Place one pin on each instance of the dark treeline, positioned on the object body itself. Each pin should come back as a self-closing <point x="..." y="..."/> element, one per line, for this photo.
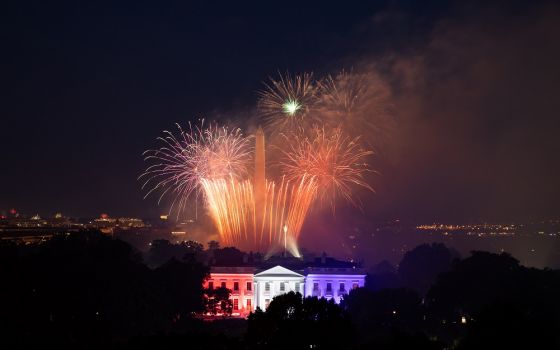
<point x="90" y="291"/>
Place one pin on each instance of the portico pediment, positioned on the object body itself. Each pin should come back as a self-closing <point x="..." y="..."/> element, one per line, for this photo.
<point x="278" y="271"/>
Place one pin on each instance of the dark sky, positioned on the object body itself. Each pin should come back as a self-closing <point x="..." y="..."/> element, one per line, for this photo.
<point x="86" y="87"/>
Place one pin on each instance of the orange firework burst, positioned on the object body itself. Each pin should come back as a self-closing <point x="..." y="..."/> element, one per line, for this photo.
<point x="286" y="103"/>
<point x="192" y="155"/>
<point x="335" y="162"/>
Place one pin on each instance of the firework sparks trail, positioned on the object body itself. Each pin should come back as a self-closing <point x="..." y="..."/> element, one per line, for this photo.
<point x="231" y="205"/>
<point x="215" y="162"/>
<point x="336" y="162"/>
<point x="286" y="103"/>
<point x="192" y="155"/>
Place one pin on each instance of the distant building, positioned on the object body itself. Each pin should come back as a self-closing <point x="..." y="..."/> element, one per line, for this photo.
<point x="108" y="225"/>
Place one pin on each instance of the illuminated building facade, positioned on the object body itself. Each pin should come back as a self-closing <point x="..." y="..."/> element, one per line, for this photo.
<point x="332" y="283"/>
<point x="240" y="281"/>
<point x="251" y="287"/>
<point x="276" y="281"/>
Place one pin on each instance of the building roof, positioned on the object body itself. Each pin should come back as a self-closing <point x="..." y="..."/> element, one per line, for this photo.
<point x="233" y="269"/>
<point x="278" y="271"/>
<point x="291" y="265"/>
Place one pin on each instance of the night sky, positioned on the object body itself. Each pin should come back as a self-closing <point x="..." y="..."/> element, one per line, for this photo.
<point x="86" y="87"/>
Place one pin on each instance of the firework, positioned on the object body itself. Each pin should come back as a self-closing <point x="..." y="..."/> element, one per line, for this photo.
<point x="317" y="160"/>
<point x="356" y="102"/>
<point x="231" y="204"/>
<point x="287" y="103"/>
<point x="335" y="162"/>
<point x="188" y="157"/>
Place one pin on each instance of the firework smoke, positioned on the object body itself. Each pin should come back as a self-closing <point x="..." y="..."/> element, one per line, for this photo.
<point x="358" y="103"/>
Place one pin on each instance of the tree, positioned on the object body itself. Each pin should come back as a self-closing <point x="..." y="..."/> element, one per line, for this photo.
<point x="161" y="251"/>
<point x="213" y="245"/>
<point x="180" y="286"/>
<point x="86" y="288"/>
<point x="228" y="256"/>
<point x="474" y="282"/>
<point x="218" y="301"/>
<point x="383" y="276"/>
<point x="511" y="326"/>
<point x="388" y="319"/>
<point x="420" y="267"/>
<point x="387" y="308"/>
<point x="300" y="323"/>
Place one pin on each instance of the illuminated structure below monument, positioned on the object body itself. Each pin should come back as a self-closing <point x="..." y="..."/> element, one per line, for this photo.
<point x="276" y="281"/>
<point x="253" y="287"/>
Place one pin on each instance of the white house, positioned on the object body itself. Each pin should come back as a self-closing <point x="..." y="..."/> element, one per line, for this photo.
<point x="275" y="281"/>
<point x="323" y="278"/>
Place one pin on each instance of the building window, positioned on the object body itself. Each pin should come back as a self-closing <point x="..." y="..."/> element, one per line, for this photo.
<point x="249" y="304"/>
<point x="297" y="287"/>
<point x="355" y="285"/>
<point x="236" y="304"/>
<point x="223" y="284"/>
<point x="249" y="285"/>
<point x="342" y="288"/>
<point x="329" y="287"/>
<point x="282" y="286"/>
<point x="266" y="303"/>
<point x="267" y="287"/>
<point x="236" y="286"/>
<point x="315" y="286"/>
<point x="210" y="285"/>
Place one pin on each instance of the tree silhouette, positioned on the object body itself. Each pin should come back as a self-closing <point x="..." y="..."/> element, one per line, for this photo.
<point x="87" y="288"/>
<point x="383" y="276"/>
<point x="420" y="267"/>
<point x="228" y="256"/>
<point x="218" y="301"/>
<point x="300" y="323"/>
<point x="511" y="326"/>
<point x="483" y="286"/>
<point x="161" y="251"/>
<point x="473" y="283"/>
<point x="375" y="313"/>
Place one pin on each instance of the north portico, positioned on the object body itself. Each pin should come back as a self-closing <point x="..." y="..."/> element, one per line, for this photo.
<point x="276" y="281"/>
